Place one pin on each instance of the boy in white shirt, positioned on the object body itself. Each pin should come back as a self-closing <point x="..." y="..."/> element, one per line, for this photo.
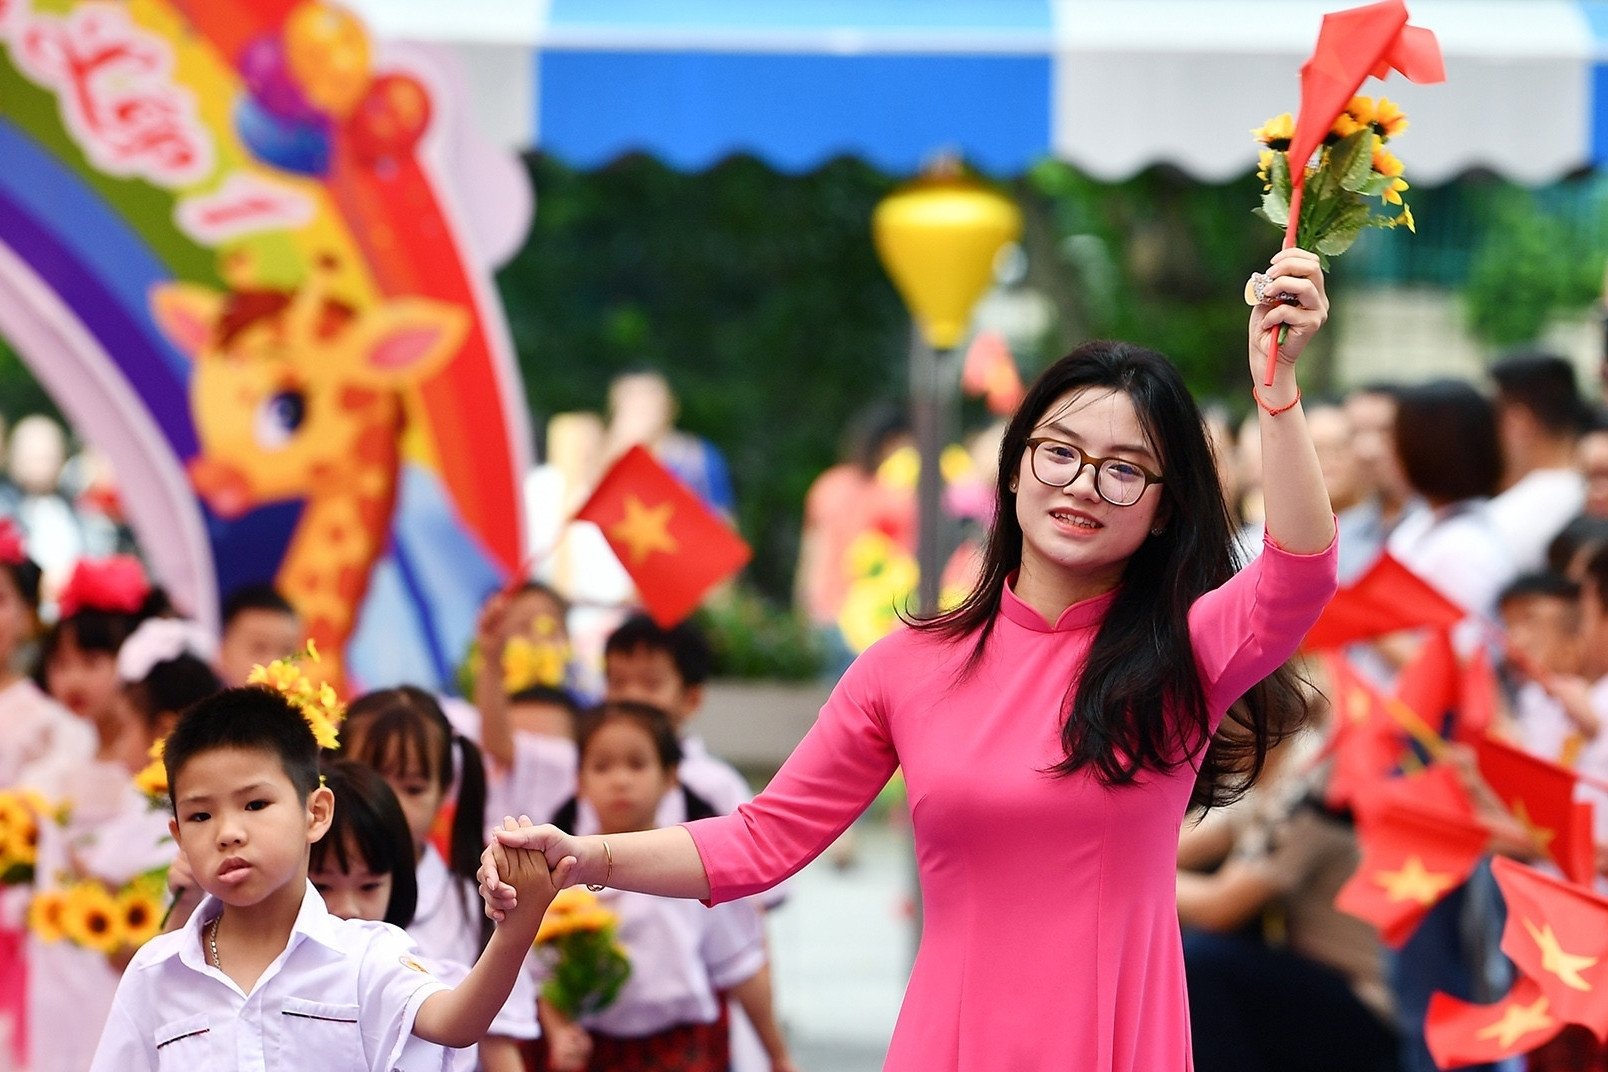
<point x="263" y="976"/>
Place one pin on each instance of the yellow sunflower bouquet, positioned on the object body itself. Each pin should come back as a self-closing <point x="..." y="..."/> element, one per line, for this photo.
<point x="577" y="940"/>
<point x="90" y="914"/>
<point x="20" y="811"/>
<point x="1351" y="183"/>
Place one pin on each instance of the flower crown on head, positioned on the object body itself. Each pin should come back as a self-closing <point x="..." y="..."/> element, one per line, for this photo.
<point x="13" y="549"/>
<point x="318" y="702"/>
<point x="116" y="585"/>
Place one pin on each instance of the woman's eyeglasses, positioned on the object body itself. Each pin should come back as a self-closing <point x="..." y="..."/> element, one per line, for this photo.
<point x="1118" y="482"/>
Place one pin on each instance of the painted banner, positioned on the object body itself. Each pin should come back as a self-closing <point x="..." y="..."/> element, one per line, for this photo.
<point x="231" y="250"/>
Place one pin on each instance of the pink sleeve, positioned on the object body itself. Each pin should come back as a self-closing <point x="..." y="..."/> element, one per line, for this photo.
<point x="835" y="771"/>
<point x="1243" y="630"/>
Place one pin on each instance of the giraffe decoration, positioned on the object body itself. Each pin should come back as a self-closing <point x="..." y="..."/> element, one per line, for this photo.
<point x="297" y="395"/>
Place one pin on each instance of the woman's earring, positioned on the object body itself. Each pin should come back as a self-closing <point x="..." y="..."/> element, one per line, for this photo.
<point x="1156" y="531"/>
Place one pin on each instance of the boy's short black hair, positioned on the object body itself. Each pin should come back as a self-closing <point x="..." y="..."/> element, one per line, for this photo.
<point x="651" y="719"/>
<point x="1581" y="534"/>
<point x="551" y="695"/>
<point x="685" y="643"/>
<point x="251" y="717"/>
<point x="1543" y="584"/>
<point x="254" y="597"/>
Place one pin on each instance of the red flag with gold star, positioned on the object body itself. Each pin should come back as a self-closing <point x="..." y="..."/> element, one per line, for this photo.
<point x="1557" y="934"/>
<point x="1419" y="842"/>
<point x="1459" y="1033"/>
<point x="1364" y="741"/>
<point x="670" y="543"/>
<point x="1539" y="794"/>
<point x="1387" y="598"/>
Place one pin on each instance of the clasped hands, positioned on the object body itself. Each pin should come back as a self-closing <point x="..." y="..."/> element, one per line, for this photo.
<point x="522" y="857"/>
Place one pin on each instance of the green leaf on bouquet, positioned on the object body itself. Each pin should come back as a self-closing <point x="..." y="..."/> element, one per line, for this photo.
<point x="1275" y="209"/>
<point x="1343" y="228"/>
<point x="1376" y="185"/>
<point x="1352" y="160"/>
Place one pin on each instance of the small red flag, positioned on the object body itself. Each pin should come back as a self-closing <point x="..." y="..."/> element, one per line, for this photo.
<point x="1459" y="1033"/>
<point x="1557" y="934"/>
<point x="1419" y="842"/>
<point x="670" y="543"/>
<point x="1429" y="685"/>
<point x="1479" y="701"/>
<point x="1539" y="794"/>
<point x="1353" y="44"/>
<point x="1365" y="742"/>
<point x="1582" y="865"/>
<point x="1387" y="598"/>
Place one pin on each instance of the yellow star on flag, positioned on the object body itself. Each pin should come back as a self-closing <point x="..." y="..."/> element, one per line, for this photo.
<point x="1415" y="882"/>
<point x="1541" y="835"/>
<point x="645" y="529"/>
<point x="1516" y="1022"/>
<point x="1566" y="966"/>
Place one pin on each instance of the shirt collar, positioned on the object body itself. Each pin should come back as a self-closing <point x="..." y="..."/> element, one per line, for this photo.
<point x="313" y="920"/>
<point x="1081" y="615"/>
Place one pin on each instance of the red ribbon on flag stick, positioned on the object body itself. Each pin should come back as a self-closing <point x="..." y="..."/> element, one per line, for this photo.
<point x="1352" y="44"/>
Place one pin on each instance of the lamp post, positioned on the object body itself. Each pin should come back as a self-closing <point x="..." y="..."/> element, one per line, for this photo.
<point x="938" y="238"/>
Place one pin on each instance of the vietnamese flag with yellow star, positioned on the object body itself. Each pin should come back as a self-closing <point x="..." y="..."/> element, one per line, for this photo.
<point x="672" y="545"/>
<point x="1387" y="598"/>
<point x="1459" y="1033"/>
<point x="1539" y="794"/>
<point x="1419" y="842"/>
<point x="1557" y="934"/>
<point x="1365" y="743"/>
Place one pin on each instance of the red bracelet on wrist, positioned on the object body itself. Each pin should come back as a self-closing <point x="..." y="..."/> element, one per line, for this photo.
<point x="1275" y="411"/>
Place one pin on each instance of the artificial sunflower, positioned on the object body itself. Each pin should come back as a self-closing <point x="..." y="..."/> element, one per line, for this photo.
<point x="1362" y="110"/>
<point x="45" y="915"/>
<point x="1389" y="120"/>
<point x="1276" y="132"/>
<point x="91" y="918"/>
<point x="1343" y="127"/>
<point x="139" y="915"/>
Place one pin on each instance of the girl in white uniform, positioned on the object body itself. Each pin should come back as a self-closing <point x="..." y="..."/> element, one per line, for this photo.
<point x="403" y="734"/>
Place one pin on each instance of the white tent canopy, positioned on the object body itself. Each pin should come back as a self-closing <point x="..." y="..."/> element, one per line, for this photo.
<point x="1112" y="86"/>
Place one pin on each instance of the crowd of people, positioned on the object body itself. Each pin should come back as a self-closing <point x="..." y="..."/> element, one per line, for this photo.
<point x="1496" y="495"/>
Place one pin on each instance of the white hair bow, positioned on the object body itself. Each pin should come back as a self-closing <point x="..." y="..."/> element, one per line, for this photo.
<point x="160" y="640"/>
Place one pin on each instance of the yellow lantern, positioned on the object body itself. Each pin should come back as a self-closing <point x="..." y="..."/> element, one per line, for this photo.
<point x="938" y="237"/>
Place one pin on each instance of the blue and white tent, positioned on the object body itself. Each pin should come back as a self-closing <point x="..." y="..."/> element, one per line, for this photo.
<point x="1112" y="86"/>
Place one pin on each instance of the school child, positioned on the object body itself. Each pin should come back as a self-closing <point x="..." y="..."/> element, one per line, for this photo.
<point x="667" y="668"/>
<point x="110" y="834"/>
<point x="363" y="866"/>
<point x="258" y="625"/>
<point x="263" y="976"/>
<point x="100" y="605"/>
<point x="684" y="958"/>
<point x="403" y="734"/>
<point x="41" y="743"/>
<point x="1541" y="616"/>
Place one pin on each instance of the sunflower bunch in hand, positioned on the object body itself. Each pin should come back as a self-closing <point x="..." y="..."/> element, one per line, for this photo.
<point x="1352" y="182"/>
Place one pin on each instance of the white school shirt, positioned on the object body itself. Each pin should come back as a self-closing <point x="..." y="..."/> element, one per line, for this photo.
<point x="447" y="928"/>
<point x="114" y="834"/>
<point x="681" y="954"/>
<point x="1534" y="510"/>
<point x="342" y="996"/>
<point x="540" y="780"/>
<point x="1458" y="550"/>
<point x="42" y="744"/>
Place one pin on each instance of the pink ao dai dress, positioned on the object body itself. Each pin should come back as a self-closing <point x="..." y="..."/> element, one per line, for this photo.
<point x="1050" y="938"/>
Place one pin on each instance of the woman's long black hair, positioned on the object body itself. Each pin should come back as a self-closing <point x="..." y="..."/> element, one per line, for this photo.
<point x="1137" y="703"/>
